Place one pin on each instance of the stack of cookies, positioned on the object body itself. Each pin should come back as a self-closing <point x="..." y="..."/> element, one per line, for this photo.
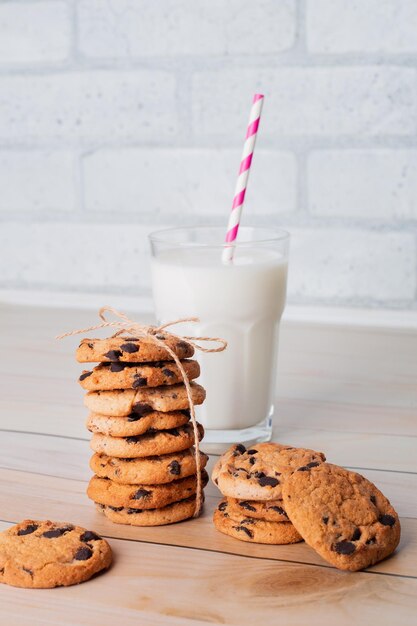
<point x="281" y="494"/>
<point x="145" y="461"/>
<point x="251" y="480"/>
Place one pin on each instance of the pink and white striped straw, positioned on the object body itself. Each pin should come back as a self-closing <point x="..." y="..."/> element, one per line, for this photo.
<point x="242" y="181"/>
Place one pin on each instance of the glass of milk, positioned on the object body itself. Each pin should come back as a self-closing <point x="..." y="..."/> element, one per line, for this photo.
<point x="241" y="302"/>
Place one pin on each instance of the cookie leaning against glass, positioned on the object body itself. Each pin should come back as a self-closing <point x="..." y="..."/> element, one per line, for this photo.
<point x="145" y="460"/>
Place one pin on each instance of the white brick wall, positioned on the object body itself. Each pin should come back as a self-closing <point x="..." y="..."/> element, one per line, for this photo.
<point x="343" y="26"/>
<point x="185" y="182"/>
<point x="34" y="32"/>
<point x="121" y="116"/>
<point x="139" y="28"/>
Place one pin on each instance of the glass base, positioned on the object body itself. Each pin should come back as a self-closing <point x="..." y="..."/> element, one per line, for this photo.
<point x="218" y="441"/>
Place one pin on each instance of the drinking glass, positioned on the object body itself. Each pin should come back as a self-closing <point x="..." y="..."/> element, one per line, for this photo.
<point x="242" y="302"/>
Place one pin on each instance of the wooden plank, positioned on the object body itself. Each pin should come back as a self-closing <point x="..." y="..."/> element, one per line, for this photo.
<point x="69" y="458"/>
<point x="27" y="495"/>
<point x="158" y="585"/>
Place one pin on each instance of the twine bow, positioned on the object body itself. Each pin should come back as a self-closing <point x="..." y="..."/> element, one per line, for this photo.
<point x="125" y="325"/>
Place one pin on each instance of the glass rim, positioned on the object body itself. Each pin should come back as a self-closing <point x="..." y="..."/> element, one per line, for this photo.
<point x="276" y="234"/>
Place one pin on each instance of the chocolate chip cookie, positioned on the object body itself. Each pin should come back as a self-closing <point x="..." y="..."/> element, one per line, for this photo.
<point x="342" y="515"/>
<point x="253" y="530"/>
<point x="270" y="511"/>
<point x="131" y="349"/>
<point x="149" y="444"/>
<point x="123" y="402"/>
<point x="136" y="424"/>
<point x="122" y="375"/>
<point x="259" y="472"/>
<point x="149" y="470"/>
<point x="105" y="491"/>
<point x="50" y="554"/>
<point x="170" y="514"/>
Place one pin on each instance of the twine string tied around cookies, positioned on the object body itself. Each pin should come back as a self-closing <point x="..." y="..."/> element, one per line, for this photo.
<point x="124" y="324"/>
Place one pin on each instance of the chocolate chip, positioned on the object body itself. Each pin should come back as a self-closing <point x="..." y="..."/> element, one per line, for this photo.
<point x="387" y="520"/>
<point x="90" y="345"/>
<point x="222" y="506"/>
<point x="325" y="520"/>
<point x="371" y="541"/>
<point x="174" y="468"/>
<point x="252" y="460"/>
<point x="117" y="367"/>
<point x="139" y="381"/>
<point x="89" y="536"/>
<point x="373" y="499"/>
<point x="252" y="451"/>
<point x="134" y="417"/>
<point x="356" y="534"/>
<point x="133" y="511"/>
<point x="279" y="510"/>
<point x="248" y="520"/>
<point x="28" y="530"/>
<point x="270" y="481"/>
<point x="304" y="468"/>
<point x="259" y="474"/>
<point x="113" y="355"/>
<point x="115" y="508"/>
<point x="216" y="480"/>
<point x="248" y="532"/>
<point x="131" y="338"/>
<point x="245" y="505"/>
<point x="129" y="347"/>
<point x="141" y="408"/>
<point x="56" y="532"/>
<point x="85" y="375"/>
<point x="28" y="571"/>
<point x="141" y="493"/>
<point x="240" y="448"/>
<point x="344" y="547"/>
<point x="168" y="373"/>
<point x="132" y="439"/>
<point x="83" y="554"/>
<point x="313" y="464"/>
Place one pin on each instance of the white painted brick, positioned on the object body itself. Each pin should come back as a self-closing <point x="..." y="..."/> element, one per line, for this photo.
<point x="352" y="265"/>
<point x="75" y="255"/>
<point x="136" y="28"/>
<point x="188" y="182"/>
<point x="380" y="184"/>
<point x="34" y="32"/>
<point x="363" y="26"/>
<point x="84" y="106"/>
<point x="37" y="181"/>
<point x="319" y="101"/>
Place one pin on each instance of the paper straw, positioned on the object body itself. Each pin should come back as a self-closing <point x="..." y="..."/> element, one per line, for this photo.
<point x="242" y="181"/>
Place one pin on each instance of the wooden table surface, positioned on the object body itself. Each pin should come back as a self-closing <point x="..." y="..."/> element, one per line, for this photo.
<point x="350" y="392"/>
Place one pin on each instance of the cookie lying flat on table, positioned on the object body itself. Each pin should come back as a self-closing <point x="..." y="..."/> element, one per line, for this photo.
<point x="175" y="512"/>
<point x="253" y="530"/>
<point x="109" y="376"/>
<point x="149" y="470"/>
<point x="105" y="491"/>
<point x="258" y="473"/>
<point x="131" y="349"/>
<point x="135" y="424"/>
<point x="123" y="402"/>
<point x="149" y="444"/>
<point x="50" y="554"/>
<point x="271" y="511"/>
<point x="342" y="515"/>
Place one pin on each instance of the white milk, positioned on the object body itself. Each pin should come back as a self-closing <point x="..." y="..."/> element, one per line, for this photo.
<point x="241" y="303"/>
